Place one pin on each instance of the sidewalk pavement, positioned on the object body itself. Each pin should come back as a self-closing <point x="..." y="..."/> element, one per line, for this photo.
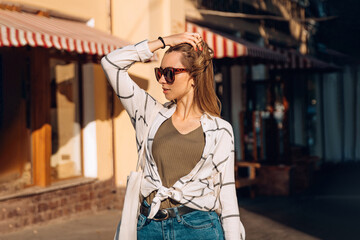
<point x="102" y="225"/>
<point x="329" y="210"/>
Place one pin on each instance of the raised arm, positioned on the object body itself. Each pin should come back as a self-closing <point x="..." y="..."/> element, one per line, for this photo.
<point x="136" y="101"/>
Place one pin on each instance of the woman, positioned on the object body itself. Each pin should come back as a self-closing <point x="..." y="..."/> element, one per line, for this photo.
<point x="188" y="185"/>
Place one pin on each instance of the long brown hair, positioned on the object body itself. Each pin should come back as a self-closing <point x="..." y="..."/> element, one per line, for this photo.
<point x="200" y="66"/>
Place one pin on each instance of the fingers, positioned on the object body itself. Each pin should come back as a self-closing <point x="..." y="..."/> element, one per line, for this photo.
<point x="191" y="39"/>
<point x="195" y="40"/>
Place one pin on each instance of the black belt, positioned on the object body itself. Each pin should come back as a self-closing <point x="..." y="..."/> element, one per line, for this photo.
<point x="164" y="214"/>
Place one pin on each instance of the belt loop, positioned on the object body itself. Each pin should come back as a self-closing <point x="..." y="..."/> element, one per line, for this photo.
<point x="177" y="214"/>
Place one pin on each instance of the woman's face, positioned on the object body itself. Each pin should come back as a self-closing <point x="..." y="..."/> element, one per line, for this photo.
<point x="182" y="86"/>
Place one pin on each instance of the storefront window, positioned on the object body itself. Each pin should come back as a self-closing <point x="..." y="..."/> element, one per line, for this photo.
<point x="65" y="120"/>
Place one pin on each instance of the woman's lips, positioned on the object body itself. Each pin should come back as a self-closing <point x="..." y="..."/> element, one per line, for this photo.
<point x="165" y="90"/>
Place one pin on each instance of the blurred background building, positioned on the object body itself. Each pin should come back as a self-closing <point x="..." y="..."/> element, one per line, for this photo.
<point x="286" y="72"/>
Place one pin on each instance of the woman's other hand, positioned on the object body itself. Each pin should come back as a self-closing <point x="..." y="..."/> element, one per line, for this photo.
<point x="193" y="39"/>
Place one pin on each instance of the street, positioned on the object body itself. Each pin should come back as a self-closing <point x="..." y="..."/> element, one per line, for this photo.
<point x="101" y="226"/>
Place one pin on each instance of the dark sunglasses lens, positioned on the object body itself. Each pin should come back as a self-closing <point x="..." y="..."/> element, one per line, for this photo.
<point x="169" y="75"/>
<point x="158" y="73"/>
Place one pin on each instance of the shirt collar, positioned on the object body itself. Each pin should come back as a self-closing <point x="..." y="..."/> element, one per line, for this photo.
<point x="207" y="115"/>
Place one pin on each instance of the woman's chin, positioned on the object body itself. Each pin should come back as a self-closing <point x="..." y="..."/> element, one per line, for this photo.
<point x="169" y="98"/>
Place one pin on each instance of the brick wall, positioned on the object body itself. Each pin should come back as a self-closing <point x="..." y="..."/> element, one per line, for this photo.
<point x="19" y="212"/>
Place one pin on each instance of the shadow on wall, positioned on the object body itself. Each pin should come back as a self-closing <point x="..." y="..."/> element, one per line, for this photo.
<point x="112" y="108"/>
<point x="118" y="107"/>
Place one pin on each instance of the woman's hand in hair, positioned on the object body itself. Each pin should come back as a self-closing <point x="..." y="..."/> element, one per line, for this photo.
<point x="187" y="37"/>
<point x="193" y="39"/>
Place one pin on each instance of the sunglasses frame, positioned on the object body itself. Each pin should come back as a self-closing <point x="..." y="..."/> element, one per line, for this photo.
<point x="164" y="72"/>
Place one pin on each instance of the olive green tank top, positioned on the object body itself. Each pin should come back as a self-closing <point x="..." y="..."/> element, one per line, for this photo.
<point x="175" y="155"/>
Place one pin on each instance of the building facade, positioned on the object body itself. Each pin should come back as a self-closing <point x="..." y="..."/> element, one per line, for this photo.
<point x="67" y="145"/>
<point x="282" y="113"/>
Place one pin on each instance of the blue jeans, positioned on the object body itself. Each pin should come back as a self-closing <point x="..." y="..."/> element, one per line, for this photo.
<point x="199" y="225"/>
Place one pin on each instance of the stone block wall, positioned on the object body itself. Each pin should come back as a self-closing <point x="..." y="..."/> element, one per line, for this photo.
<point x="37" y="208"/>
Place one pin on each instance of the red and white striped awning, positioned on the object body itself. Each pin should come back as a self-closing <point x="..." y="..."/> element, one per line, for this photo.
<point x="296" y="60"/>
<point x="19" y="29"/>
<point x="233" y="48"/>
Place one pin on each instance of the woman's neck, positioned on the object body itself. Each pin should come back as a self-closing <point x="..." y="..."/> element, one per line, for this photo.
<point x="187" y="109"/>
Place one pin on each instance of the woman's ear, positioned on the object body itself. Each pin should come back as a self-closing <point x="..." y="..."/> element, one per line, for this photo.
<point x="192" y="82"/>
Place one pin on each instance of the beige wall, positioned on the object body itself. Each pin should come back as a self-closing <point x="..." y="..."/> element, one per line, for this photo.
<point x="139" y="19"/>
<point x="96" y="9"/>
<point x="103" y="125"/>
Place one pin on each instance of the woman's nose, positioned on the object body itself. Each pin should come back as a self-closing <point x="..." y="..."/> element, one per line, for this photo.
<point x="162" y="80"/>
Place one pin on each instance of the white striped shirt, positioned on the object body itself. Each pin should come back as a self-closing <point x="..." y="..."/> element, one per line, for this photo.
<point x="210" y="186"/>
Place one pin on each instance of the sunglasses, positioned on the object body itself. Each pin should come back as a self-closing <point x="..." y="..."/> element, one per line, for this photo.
<point x="169" y="73"/>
